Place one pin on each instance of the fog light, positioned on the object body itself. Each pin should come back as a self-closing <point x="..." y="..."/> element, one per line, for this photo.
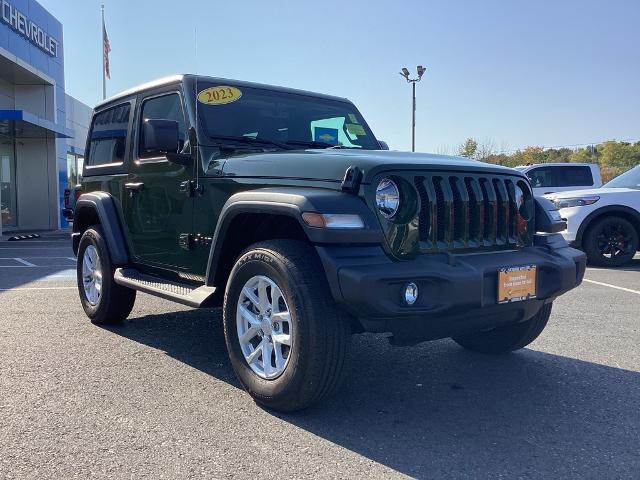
<point x="410" y="293"/>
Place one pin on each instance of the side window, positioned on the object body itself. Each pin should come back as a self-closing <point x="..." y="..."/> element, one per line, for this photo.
<point x="577" y="176"/>
<point x="543" y="177"/>
<point x="166" y="107"/>
<point x="108" y="137"/>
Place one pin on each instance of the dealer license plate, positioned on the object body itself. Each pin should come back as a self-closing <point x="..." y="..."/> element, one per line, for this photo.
<point x="516" y="283"/>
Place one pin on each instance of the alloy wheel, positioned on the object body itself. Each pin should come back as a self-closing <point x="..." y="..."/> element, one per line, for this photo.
<point x="92" y="275"/>
<point x="264" y="327"/>
<point x="613" y="240"/>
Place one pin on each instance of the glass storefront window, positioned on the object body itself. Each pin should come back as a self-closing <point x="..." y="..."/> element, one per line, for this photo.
<point x="74" y="170"/>
<point x="7" y="184"/>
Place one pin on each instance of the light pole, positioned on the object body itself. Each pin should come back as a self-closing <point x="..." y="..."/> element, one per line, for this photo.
<point x="405" y="73"/>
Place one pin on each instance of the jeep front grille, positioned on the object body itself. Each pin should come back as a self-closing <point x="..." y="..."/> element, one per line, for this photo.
<point x="468" y="211"/>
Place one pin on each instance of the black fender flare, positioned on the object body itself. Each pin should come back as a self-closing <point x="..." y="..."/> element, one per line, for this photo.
<point x="607" y="209"/>
<point x="292" y="202"/>
<point x="102" y="205"/>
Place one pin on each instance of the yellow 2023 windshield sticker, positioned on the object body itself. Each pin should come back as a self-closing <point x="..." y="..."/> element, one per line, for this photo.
<point x="220" y="95"/>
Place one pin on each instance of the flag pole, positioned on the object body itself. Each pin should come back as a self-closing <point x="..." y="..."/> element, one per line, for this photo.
<point x="104" y="78"/>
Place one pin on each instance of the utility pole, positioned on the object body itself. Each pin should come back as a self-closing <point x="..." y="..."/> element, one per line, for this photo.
<point x="405" y="73"/>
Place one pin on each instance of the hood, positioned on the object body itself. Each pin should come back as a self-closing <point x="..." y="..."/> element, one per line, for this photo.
<point x="331" y="164"/>
<point x="590" y="191"/>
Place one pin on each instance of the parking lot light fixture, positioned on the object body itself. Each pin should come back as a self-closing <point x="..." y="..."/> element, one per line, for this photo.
<point x="405" y="73"/>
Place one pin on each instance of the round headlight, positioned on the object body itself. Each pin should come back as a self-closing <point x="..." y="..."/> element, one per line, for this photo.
<point x="387" y="197"/>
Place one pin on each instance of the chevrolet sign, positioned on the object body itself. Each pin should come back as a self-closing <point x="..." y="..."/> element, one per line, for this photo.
<point x="25" y="27"/>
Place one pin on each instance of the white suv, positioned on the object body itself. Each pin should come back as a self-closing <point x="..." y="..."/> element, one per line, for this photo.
<point x="604" y="222"/>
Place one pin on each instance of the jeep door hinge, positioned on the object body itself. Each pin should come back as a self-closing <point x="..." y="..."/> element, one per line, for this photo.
<point x="186" y="187"/>
<point x="352" y="179"/>
<point x="190" y="188"/>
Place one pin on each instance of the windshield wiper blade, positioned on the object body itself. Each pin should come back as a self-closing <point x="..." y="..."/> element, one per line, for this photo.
<point x="312" y="144"/>
<point x="252" y="140"/>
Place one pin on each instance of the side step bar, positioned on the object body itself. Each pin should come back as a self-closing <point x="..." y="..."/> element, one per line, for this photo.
<point x="178" y="292"/>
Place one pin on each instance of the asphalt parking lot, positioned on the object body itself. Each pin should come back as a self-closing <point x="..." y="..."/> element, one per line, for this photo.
<point x="156" y="397"/>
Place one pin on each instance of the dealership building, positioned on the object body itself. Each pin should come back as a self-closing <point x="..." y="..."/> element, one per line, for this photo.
<point x="42" y="129"/>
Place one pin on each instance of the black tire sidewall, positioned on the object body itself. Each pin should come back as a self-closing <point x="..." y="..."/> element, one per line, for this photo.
<point x="591" y="245"/>
<point x="264" y="262"/>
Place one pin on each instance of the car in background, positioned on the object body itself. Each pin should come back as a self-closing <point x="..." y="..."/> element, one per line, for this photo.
<point x="71" y="195"/>
<point x="604" y="222"/>
<point x="5" y="214"/>
<point x="549" y="178"/>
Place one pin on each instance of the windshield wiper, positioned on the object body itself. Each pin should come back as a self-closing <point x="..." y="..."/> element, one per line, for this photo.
<point x="252" y="140"/>
<point x="312" y="144"/>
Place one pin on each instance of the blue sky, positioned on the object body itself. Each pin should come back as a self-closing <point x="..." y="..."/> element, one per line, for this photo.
<point x="512" y="72"/>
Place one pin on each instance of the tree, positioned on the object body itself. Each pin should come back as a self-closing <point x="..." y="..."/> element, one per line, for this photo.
<point x="484" y="150"/>
<point x="619" y="154"/>
<point x="468" y="148"/>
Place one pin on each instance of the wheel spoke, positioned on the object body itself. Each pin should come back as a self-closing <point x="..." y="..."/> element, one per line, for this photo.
<point x="249" y="334"/>
<point x="253" y="356"/>
<point x="248" y="292"/>
<point x="262" y="296"/>
<point x="281" y="317"/>
<point x="267" y="348"/>
<point x="280" y="360"/>
<point x="248" y="315"/>
<point x="281" y="338"/>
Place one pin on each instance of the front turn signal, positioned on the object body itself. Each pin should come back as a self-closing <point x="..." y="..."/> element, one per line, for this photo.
<point x="333" y="220"/>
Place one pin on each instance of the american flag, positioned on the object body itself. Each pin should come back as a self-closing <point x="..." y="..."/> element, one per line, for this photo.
<point x="106" y="48"/>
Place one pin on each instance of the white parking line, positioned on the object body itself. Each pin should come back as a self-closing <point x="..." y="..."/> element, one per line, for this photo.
<point x="35" y="288"/>
<point x="14" y="258"/>
<point x="20" y="260"/>
<point x="637" y="292"/>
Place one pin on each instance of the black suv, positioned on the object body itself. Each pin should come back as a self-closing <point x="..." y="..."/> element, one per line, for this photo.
<point x="282" y="207"/>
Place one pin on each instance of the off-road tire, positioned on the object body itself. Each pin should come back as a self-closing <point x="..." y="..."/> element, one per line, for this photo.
<point x="115" y="301"/>
<point x="321" y="334"/>
<point x="590" y="242"/>
<point x="509" y="337"/>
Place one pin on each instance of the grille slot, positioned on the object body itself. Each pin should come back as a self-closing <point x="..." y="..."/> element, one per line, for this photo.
<point x="466" y="211"/>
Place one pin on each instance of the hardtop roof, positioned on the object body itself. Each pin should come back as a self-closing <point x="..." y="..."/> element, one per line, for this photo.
<point x="190" y="78"/>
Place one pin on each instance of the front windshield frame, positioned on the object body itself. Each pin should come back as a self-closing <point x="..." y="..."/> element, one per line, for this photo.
<point x="215" y="138"/>
<point x="628" y="179"/>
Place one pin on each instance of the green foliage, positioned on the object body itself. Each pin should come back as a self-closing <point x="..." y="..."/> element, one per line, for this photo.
<point x="468" y="148"/>
<point x="613" y="157"/>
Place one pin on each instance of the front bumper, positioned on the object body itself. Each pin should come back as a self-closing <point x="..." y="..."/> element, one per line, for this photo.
<point x="574" y="217"/>
<point x="457" y="293"/>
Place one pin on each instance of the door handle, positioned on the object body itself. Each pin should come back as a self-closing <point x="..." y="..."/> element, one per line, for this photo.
<point x="134" y="187"/>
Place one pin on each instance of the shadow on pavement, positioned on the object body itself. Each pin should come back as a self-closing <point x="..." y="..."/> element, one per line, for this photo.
<point x="436" y="410"/>
<point x="632" y="266"/>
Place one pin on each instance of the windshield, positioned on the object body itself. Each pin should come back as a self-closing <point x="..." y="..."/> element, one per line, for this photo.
<point x="629" y="179"/>
<point x="246" y="117"/>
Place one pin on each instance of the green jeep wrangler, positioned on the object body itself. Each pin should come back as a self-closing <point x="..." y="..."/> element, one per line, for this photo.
<point x="282" y="207"/>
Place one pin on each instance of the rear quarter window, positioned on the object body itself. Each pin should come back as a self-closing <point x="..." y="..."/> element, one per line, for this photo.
<point x="108" y="136"/>
<point x="577" y="176"/>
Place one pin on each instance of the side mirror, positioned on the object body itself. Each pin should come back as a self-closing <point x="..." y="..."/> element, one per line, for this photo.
<point x="159" y="136"/>
<point x="383" y="145"/>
